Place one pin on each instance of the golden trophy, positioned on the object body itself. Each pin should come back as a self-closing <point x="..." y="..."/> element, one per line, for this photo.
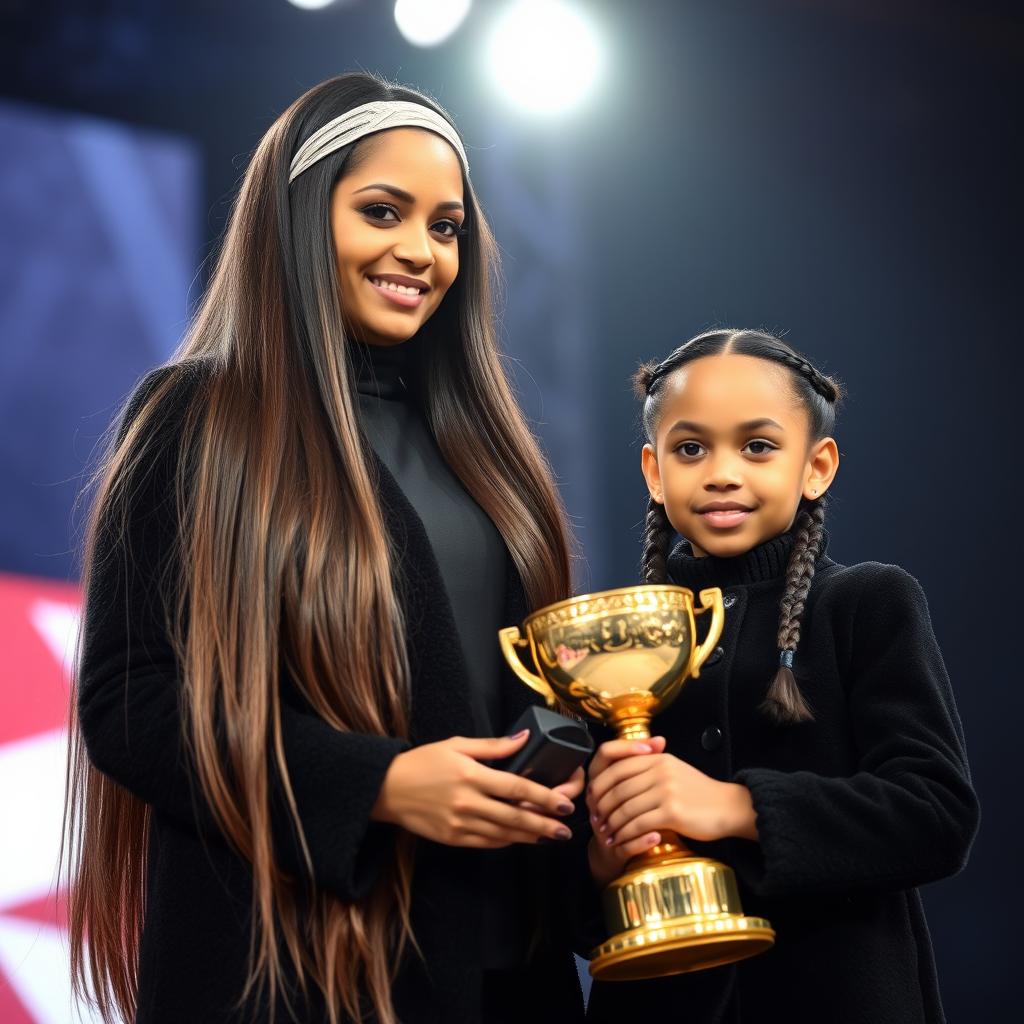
<point x="621" y="656"/>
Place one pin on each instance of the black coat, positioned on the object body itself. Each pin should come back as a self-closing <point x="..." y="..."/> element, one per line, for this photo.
<point x="196" y="933"/>
<point x="854" y="810"/>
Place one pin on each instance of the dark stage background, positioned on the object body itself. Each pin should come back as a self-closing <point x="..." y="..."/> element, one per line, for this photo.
<point x="845" y="172"/>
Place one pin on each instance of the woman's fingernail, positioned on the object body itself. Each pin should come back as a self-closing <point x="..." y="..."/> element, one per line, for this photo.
<point x="609" y="841"/>
<point x="594" y="819"/>
<point x="644" y="748"/>
<point x="566" y="808"/>
<point x="518" y="735"/>
<point x="603" y="827"/>
<point x="563" y="833"/>
<point x="652" y="839"/>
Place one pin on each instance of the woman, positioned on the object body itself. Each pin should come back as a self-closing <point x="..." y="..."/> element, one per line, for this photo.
<point x="310" y="527"/>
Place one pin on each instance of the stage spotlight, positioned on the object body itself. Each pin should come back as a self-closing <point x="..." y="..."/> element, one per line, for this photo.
<point x="310" y="5"/>
<point x="545" y="55"/>
<point x="429" y="22"/>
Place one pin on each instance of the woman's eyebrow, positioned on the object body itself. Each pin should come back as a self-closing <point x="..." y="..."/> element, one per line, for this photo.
<point x="406" y="197"/>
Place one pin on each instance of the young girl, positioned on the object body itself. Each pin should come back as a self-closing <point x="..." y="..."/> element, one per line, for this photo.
<point x="309" y="530"/>
<point x="819" y="753"/>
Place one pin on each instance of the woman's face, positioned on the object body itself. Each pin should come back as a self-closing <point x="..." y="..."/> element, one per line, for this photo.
<point x="732" y="458"/>
<point x="395" y="219"/>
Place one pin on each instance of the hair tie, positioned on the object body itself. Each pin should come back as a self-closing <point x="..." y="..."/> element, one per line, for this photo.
<point x="786" y="658"/>
<point x="656" y="374"/>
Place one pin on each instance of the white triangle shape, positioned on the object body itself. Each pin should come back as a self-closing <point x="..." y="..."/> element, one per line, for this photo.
<point x="34" y="960"/>
<point x="57" y="623"/>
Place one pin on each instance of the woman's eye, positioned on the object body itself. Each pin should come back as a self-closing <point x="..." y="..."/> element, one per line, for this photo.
<point x="380" y="211"/>
<point x="760" y="447"/>
<point x="447" y="229"/>
<point x="691" y="449"/>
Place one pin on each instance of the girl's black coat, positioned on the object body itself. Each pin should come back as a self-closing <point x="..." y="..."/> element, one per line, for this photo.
<point x="854" y="810"/>
<point x="196" y="934"/>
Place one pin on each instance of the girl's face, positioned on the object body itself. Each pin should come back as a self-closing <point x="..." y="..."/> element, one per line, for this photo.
<point x="732" y="455"/>
<point x="395" y="219"/>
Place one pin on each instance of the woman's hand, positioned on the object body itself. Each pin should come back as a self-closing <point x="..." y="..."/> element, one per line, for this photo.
<point x="441" y="791"/>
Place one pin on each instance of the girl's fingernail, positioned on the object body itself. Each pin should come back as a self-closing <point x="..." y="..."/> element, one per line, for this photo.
<point x="518" y="735"/>
<point x="603" y="827"/>
<point x="563" y="833"/>
<point x="594" y="819"/>
<point x="652" y="839"/>
<point x="565" y="808"/>
<point x="609" y="841"/>
<point x="644" y="748"/>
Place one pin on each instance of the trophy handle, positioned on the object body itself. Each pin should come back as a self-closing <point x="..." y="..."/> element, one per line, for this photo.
<point x="510" y="639"/>
<point x="711" y="600"/>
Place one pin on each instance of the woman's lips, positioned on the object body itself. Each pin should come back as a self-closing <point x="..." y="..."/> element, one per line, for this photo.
<point x="407" y="299"/>
<point x="723" y="519"/>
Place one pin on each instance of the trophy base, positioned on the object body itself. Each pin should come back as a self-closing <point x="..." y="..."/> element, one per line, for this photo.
<point x="680" y="948"/>
<point x="672" y="914"/>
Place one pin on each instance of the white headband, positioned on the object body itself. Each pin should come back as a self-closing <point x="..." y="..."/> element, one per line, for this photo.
<point x="369" y="118"/>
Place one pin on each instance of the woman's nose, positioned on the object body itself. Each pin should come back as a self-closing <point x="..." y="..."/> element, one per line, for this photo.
<point x="413" y="246"/>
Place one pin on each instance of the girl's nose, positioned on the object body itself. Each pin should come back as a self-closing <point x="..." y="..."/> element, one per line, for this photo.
<point x="723" y="472"/>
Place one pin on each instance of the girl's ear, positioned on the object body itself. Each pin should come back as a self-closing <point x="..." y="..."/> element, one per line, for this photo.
<point x="652" y="474"/>
<point x="822" y="466"/>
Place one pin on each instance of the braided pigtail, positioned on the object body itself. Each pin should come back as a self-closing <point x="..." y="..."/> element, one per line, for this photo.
<point x="657" y="534"/>
<point x="784" y="703"/>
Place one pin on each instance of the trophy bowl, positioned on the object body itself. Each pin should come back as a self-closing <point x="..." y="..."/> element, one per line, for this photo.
<point x="620" y="656"/>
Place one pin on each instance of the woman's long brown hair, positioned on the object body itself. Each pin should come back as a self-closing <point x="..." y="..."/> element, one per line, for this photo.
<point x="285" y="560"/>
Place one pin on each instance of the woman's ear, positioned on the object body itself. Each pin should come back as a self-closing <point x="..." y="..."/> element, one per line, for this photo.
<point x="652" y="474"/>
<point x="822" y="466"/>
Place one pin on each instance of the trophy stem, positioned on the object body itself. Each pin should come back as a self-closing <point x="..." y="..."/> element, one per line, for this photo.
<point x="636" y="727"/>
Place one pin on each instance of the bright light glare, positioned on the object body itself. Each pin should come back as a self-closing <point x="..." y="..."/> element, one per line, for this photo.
<point x="310" y="5"/>
<point x="429" y="22"/>
<point x="545" y="55"/>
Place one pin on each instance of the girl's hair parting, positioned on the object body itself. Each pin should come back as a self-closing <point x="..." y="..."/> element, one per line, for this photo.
<point x="820" y="396"/>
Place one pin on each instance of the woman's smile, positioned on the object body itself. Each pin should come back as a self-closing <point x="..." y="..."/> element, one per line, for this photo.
<point x="399" y="289"/>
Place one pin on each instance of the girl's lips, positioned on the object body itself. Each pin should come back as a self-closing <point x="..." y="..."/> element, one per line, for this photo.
<point x="724" y="518"/>
<point x="398" y="298"/>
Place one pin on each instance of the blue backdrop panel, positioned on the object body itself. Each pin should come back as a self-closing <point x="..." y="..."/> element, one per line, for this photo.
<point x="97" y="251"/>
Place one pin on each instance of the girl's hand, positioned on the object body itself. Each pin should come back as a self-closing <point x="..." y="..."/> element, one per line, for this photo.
<point x="636" y="795"/>
<point x="607" y="862"/>
<point x="441" y="791"/>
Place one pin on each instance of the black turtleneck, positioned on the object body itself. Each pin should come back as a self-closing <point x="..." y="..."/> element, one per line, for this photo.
<point x="469" y="550"/>
<point x="766" y="561"/>
<point x="471" y="555"/>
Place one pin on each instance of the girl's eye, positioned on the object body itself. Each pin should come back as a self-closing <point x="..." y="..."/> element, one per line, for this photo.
<point x="760" y="447"/>
<point x="380" y="211"/>
<point x="691" y="449"/>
